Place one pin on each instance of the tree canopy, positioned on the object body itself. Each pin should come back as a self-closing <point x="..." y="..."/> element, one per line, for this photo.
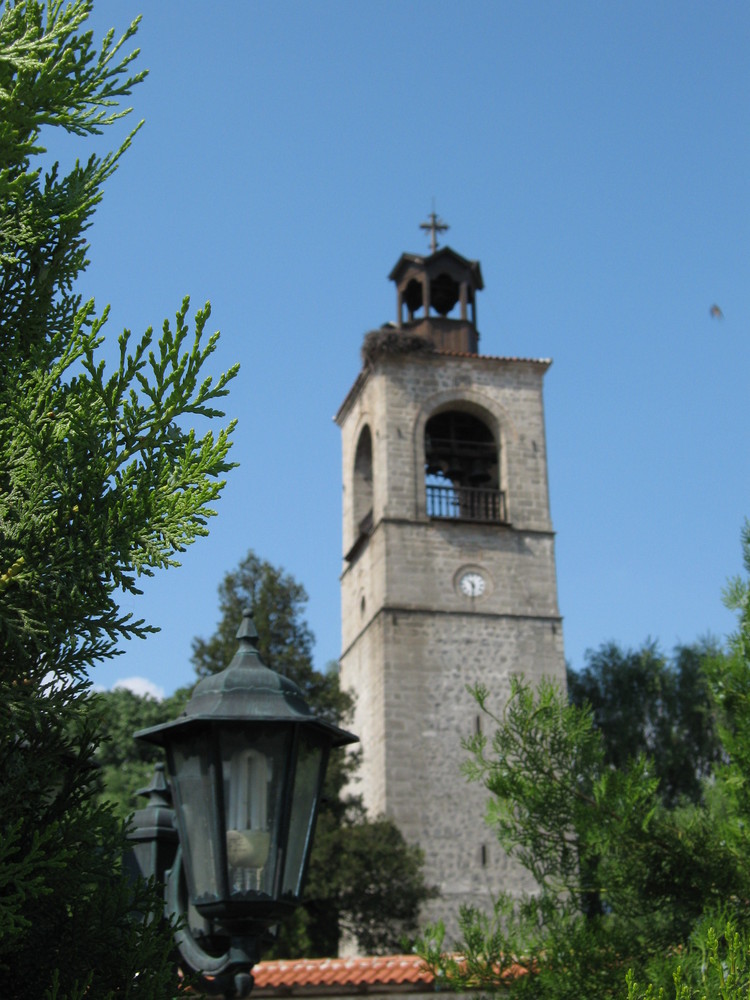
<point x="101" y="483"/>
<point x="644" y="702"/>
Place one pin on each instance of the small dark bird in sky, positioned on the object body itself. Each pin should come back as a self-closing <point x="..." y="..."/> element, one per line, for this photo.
<point x="715" y="312"/>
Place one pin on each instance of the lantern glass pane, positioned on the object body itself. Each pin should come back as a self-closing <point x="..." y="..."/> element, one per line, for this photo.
<point x="193" y="773"/>
<point x="254" y="768"/>
<point x="306" y="783"/>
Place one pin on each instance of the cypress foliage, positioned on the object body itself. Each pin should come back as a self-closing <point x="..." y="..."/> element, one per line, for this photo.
<point x="99" y="485"/>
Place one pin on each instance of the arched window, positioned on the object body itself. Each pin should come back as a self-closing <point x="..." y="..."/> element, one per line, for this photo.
<point x="462" y="468"/>
<point x="362" y="483"/>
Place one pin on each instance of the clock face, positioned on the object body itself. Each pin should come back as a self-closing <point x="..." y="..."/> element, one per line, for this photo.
<point x="472" y="584"/>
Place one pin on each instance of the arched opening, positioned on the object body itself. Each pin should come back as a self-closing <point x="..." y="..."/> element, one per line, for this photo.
<point x="362" y="483"/>
<point x="444" y="293"/>
<point x="462" y="468"/>
<point x="413" y="297"/>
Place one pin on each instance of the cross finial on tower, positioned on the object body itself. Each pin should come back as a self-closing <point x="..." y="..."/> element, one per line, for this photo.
<point x="435" y="226"/>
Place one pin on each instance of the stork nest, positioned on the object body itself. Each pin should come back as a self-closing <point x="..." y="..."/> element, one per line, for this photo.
<point x="390" y="341"/>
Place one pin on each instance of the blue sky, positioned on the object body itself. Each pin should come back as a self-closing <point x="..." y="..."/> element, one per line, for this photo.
<point x="593" y="156"/>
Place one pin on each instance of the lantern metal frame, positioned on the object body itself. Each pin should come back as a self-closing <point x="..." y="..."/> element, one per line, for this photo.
<point x="219" y="935"/>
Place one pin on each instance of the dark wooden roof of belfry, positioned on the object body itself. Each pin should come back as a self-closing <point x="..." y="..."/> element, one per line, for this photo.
<point x="443" y="256"/>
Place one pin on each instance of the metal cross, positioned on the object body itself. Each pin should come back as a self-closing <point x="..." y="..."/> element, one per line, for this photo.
<point x="435" y="226"/>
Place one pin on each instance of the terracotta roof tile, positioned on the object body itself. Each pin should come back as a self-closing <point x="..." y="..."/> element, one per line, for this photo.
<point x="381" y="970"/>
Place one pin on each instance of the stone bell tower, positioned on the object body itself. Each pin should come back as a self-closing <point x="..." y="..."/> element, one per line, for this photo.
<point x="449" y="568"/>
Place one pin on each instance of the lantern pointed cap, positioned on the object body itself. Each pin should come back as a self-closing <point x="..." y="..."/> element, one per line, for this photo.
<point x="246" y="692"/>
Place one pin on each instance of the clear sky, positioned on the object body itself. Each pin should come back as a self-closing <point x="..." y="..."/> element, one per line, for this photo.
<point x="593" y="156"/>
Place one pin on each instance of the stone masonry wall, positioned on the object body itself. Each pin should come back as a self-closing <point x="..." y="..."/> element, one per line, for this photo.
<point x="428" y="712"/>
<point x="411" y="641"/>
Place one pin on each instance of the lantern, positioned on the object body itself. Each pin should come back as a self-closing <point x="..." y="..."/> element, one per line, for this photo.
<point x="246" y="763"/>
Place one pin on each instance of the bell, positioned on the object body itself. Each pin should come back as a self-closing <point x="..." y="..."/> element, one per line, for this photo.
<point x="478" y="473"/>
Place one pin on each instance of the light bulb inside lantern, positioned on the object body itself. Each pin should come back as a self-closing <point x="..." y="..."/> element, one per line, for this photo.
<point x="248" y="848"/>
<point x="248" y="835"/>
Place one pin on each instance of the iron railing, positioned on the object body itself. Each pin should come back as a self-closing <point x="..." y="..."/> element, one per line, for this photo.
<point x="466" y="503"/>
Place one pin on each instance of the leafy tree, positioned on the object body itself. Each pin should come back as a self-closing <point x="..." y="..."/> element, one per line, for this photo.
<point x="99" y="485"/>
<point x="646" y="703"/>
<point x="628" y="878"/>
<point x="127" y="765"/>
<point x="365" y="881"/>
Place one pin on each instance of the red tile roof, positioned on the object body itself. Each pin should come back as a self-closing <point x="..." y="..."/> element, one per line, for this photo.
<point x="341" y="973"/>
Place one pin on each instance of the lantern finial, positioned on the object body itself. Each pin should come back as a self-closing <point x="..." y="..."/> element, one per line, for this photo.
<point x="247" y="633"/>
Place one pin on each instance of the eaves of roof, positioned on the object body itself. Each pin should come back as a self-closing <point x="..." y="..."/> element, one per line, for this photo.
<point x="543" y="362"/>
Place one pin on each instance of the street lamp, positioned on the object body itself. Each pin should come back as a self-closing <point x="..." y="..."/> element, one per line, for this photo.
<point x="246" y="763"/>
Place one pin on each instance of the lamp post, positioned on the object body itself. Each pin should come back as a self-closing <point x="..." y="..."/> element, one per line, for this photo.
<point x="246" y="762"/>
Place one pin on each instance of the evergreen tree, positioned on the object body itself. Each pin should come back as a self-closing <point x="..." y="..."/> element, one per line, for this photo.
<point x="285" y="642"/>
<point x="99" y="484"/>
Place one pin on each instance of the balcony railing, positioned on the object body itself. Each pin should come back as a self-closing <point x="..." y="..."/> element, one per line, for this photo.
<point x="466" y="503"/>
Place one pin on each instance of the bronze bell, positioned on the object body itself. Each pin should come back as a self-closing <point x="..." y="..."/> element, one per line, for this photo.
<point x="479" y="473"/>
